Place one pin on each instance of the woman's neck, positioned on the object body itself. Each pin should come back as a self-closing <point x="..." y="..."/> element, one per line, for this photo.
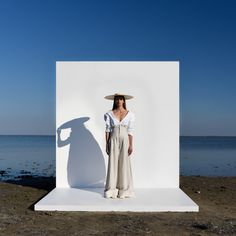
<point x="121" y="108"/>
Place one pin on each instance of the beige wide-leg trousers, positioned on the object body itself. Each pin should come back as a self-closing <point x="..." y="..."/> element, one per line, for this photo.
<point x="119" y="180"/>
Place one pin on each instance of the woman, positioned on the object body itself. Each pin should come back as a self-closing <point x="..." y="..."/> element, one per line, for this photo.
<point x="119" y="146"/>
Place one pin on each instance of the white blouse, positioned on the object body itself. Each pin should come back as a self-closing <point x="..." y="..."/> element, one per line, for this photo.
<point x="111" y="121"/>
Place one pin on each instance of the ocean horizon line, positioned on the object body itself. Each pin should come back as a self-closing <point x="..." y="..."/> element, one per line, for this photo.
<point x="179" y="136"/>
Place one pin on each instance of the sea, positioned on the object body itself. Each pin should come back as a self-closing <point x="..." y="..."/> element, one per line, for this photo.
<point x="34" y="155"/>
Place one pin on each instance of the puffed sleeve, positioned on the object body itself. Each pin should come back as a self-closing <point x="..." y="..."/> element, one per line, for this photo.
<point x="131" y="124"/>
<point x="107" y="122"/>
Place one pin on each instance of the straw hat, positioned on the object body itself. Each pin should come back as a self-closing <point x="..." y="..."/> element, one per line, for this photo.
<point x="111" y="97"/>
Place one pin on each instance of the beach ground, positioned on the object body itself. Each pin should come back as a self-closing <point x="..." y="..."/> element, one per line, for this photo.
<point x="216" y="197"/>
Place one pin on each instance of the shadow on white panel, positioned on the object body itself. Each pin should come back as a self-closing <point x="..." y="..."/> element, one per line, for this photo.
<point x="85" y="158"/>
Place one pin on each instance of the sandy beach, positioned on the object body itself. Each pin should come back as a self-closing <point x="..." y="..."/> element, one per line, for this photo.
<point x="216" y="197"/>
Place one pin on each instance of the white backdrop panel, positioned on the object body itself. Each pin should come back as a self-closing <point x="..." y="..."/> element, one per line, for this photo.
<point x="81" y="160"/>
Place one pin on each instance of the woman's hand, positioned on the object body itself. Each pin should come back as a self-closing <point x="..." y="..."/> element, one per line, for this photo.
<point x="130" y="150"/>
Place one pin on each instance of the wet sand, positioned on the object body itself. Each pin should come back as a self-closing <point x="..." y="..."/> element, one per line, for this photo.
<point x="216" y="197"/>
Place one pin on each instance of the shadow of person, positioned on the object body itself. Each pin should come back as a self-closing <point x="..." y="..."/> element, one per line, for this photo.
<point x="86" y="166"/>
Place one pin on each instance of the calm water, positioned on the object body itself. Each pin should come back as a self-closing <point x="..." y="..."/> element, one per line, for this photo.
<point x="208" y="156"/>
<point x="22" y="155"/>
<point x="27" y="154"/>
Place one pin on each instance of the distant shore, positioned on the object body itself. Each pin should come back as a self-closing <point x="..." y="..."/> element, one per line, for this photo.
<point x="215" y="196"/>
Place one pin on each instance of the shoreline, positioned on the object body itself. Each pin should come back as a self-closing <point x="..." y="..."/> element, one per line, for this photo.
<point x="49" y="182"/>
<point x="215" y="196"/>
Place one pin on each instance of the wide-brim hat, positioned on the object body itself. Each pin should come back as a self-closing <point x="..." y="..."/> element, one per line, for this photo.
<point x="111" y="97"/>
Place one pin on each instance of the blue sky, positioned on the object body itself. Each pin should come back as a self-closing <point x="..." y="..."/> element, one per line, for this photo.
<point x="36" y="34"/>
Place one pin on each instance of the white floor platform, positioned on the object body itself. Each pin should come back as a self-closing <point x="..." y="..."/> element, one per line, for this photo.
<point x="91" y="199"/>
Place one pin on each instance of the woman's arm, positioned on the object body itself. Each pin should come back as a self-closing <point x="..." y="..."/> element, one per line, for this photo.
<point x="107" y="136"/>
<point x="130" y="133"/>
<point x="130" y="140"/>
<point x="130" y="149"/>
<point x="107" y="131"/>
